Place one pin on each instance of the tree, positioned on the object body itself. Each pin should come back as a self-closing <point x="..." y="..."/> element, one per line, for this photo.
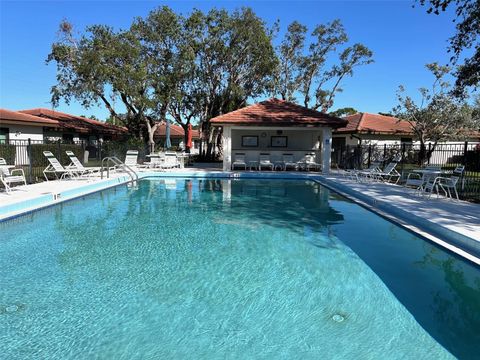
<point x="167" y="66"/>
<point x="129" y="67"/>
<point x="290" y="54"/>
<point x="344" y="112"/>
<point x="466" y="37"/>
<point x="303" y="70"/>
<point x="439" y="116"/>
<point x="233" y="60"/>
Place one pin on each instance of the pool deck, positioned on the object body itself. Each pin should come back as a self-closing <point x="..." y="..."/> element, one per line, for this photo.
<point x="432" y="218"/>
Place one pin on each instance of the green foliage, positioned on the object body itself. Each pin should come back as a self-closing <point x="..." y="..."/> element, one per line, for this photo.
<point x="191" y="67"/>
<point x="302" y="69"/>
<point x="344" y="112"/>
<point x="38" y="159"/>
<point x="439" y="116"/>
<point x="466" y="37"/>
<point x="8" y="153"/>
<point x="119" y="149"/>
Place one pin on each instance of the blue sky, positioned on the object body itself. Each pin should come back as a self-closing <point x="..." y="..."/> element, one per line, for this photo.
<point x="402" y="38"/>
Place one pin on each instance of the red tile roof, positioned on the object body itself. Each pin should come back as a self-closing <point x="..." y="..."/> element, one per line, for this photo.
<point x="275" y="112"/>
<point x="175" y="131"/>
<point x="366" y="123"/>
<point x="75" y="123"/>
<point x="17" y="117"/>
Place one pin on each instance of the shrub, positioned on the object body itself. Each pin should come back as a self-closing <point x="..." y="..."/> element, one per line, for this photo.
<point x="8" y="153"/>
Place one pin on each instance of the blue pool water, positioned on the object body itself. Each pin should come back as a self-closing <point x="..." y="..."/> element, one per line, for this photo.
<point x="215" y="269"/>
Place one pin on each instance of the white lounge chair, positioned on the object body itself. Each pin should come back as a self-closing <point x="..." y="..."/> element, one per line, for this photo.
<point x="156" y="161"/>
<point x="9" y="177"/>
<point x="367" y="173"/>
<point x="131" y="158"/>
<point x="265" y="161"/>
<point x="310" y="163"/>
<point x="171" y="160"/>
<point x="239" y="161"/>
<point x="387" y="174"/>
<point x="56" y="168"/>
<point x="288" y="162"/>
<point x="76" y="165"/>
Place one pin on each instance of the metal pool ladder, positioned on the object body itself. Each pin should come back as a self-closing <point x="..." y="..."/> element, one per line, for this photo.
<point x="117" y="163"/>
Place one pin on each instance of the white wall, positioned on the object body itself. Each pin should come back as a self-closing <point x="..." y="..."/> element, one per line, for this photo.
<point x="24" y="132"/>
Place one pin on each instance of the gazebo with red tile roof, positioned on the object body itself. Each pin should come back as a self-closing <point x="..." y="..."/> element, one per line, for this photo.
<point x="277" y="127"/>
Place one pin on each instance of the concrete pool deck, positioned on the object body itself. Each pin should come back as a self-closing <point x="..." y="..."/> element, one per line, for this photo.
<point x="457" y="221"/>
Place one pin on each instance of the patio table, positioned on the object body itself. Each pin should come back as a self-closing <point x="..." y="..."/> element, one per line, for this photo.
<point x="427" y="175"/>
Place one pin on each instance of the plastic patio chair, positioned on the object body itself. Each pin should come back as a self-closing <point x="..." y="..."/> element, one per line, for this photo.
<point x="310" y="163"/>
<point x="387" y="173"/>
<point x="449" y="183"/>
<point x="131" y="158"/>
<point x="76" y="165"/>
<point x="9" y="177"/>
<point x="239" y="161"/>
<point x="56" y="168"/>
<point x="265" y="161"/>
<point x="288" y="162"/>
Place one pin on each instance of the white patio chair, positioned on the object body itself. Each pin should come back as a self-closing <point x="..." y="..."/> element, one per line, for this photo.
<point x="415" y="181"/>
<point x="265" y="161"/>
<point x="56" y="168"/>
<point x="9" y="177"/>
<point x="239" y="161"/>
<point x="310" y="163"/>
<point x="288" y="162"/>
<point x="75" y="164"/>
<point x="449" y="183"/>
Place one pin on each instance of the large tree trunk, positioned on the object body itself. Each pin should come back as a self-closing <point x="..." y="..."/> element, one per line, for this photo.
<point x="185" y="137"/>
<point x="151" y="132"/>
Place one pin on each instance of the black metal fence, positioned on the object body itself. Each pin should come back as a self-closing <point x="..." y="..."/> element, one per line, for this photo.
<point x="448" y="156"/>
<point x="28" y="154"/>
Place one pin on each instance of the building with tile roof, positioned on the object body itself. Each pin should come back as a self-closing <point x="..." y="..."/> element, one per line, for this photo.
<point x="276" y="129"/>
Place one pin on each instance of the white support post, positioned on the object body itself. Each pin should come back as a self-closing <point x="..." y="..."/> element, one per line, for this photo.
<point x="326" y="149"/>
<point x="227" y="148"/>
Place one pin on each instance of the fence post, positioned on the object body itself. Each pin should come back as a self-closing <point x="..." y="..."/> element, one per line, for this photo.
<point x="59" y="151"/>
<point x="428" y="152"/>
<point x="465" y="149"/>
<point x="384" y="153"/>
<point x="402" y="160"/>
<point x="83" y="152"/>
<point x="369" y="154"/>
<point x="29" y="154"/>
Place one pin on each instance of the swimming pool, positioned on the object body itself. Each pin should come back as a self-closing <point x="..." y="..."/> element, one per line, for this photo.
<point x="229" y="268"/>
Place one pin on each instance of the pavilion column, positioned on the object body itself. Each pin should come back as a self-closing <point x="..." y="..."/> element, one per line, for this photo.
<point x="227" y="148"/>
<point x="326" y="149"/>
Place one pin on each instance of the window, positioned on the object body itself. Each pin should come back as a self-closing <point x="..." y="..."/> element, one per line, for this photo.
<point x="67" y="138"/>
<point x="4" y="135"/>
<point x="279" y="141"/>
<point x="250" y="141"/>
